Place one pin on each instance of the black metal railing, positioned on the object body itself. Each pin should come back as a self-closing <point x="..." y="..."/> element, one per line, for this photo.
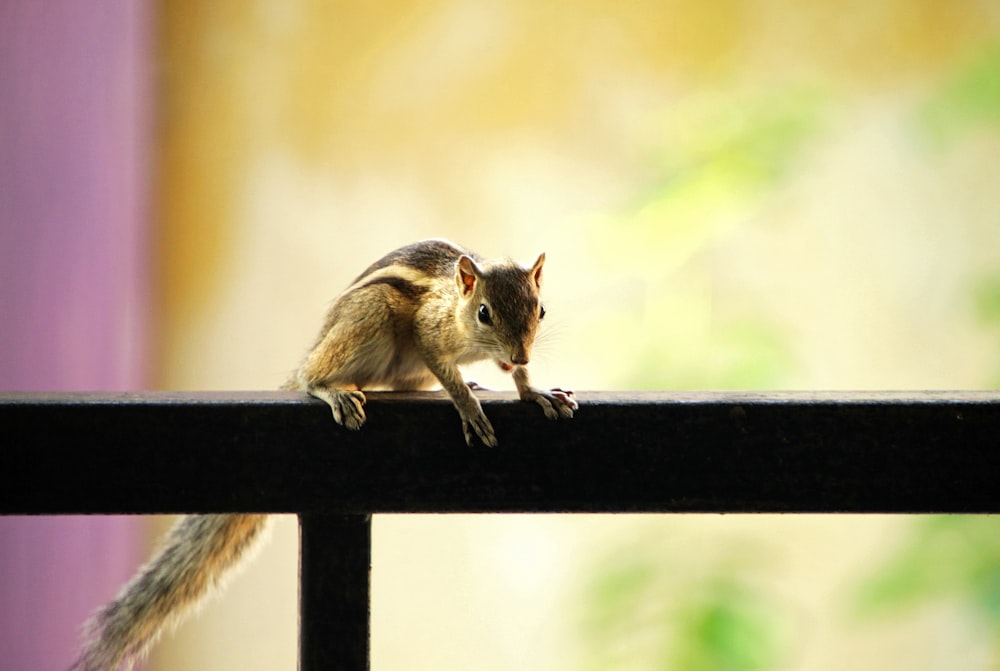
<point x="914" y="452"/>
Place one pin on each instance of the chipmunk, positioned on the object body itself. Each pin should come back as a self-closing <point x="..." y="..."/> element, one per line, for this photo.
<point x="406" y="322"/>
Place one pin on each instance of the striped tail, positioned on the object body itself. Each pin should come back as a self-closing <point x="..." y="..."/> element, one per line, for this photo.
<point x="196" y="556"/>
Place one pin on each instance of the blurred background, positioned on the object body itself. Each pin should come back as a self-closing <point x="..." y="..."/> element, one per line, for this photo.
<point x="731" y="195"/>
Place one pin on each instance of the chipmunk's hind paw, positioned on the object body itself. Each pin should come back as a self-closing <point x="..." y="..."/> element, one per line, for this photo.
<point x="475" y="386"/>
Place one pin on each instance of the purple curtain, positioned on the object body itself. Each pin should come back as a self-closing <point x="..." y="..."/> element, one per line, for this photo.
<point x="75" y="156"/>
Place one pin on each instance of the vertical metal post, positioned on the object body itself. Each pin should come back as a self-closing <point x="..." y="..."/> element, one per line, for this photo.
<point x="334" y="592"/>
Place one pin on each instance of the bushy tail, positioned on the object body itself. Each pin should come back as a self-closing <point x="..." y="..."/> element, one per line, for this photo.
<point x="196" y="555"/>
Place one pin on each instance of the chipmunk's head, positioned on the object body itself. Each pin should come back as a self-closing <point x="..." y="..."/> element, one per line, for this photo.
<point x="501" y="308"/>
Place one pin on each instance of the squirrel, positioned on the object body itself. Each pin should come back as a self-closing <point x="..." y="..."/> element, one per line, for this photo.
<point x="408" y="321"/>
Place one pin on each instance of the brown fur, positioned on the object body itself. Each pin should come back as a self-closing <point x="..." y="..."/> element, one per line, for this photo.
<point x="412" y="318"/>
<point x="196" y="554"/>
<point x="405" y="323"/>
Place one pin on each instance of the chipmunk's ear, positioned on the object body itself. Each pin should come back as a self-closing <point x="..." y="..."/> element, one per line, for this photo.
<point x="536" y="270"/>
<point x="466" y="275"/>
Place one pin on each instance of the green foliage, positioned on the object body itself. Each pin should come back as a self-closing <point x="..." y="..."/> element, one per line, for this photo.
<point x="725" y="625"/>
<point x="710" y="158"/>
<point x="968" y="98"/>
<point x="954" y="558"/>
<point x="986" y="295"/>
<point x="986" y="301"/>
<point x="713" y="161"/>
<point x="742" y="353"/>
<point x="716" y="152"/>
<point x="645" y="611"/>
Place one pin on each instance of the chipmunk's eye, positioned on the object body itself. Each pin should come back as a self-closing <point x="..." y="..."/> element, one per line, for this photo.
<point x="484" y="314"/>
<point x="541" y="313"/>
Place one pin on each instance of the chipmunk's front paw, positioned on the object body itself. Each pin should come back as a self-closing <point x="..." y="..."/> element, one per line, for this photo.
<point x="556" y="403"/>
<point x="479" y="424"/>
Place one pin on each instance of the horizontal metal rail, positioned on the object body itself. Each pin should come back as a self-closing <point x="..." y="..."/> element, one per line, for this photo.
<point x="650" y="452"/>
<point x="635" y="452"/>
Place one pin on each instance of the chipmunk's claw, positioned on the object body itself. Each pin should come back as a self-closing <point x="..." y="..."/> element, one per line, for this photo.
<point x="482" y="428"/>
<point x="347" y="406"/>
<point x="555" y="403"/>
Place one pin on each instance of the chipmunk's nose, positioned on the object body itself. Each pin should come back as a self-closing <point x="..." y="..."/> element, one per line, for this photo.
<point x="520" y="353"/>
<point x="520" y="356"/>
